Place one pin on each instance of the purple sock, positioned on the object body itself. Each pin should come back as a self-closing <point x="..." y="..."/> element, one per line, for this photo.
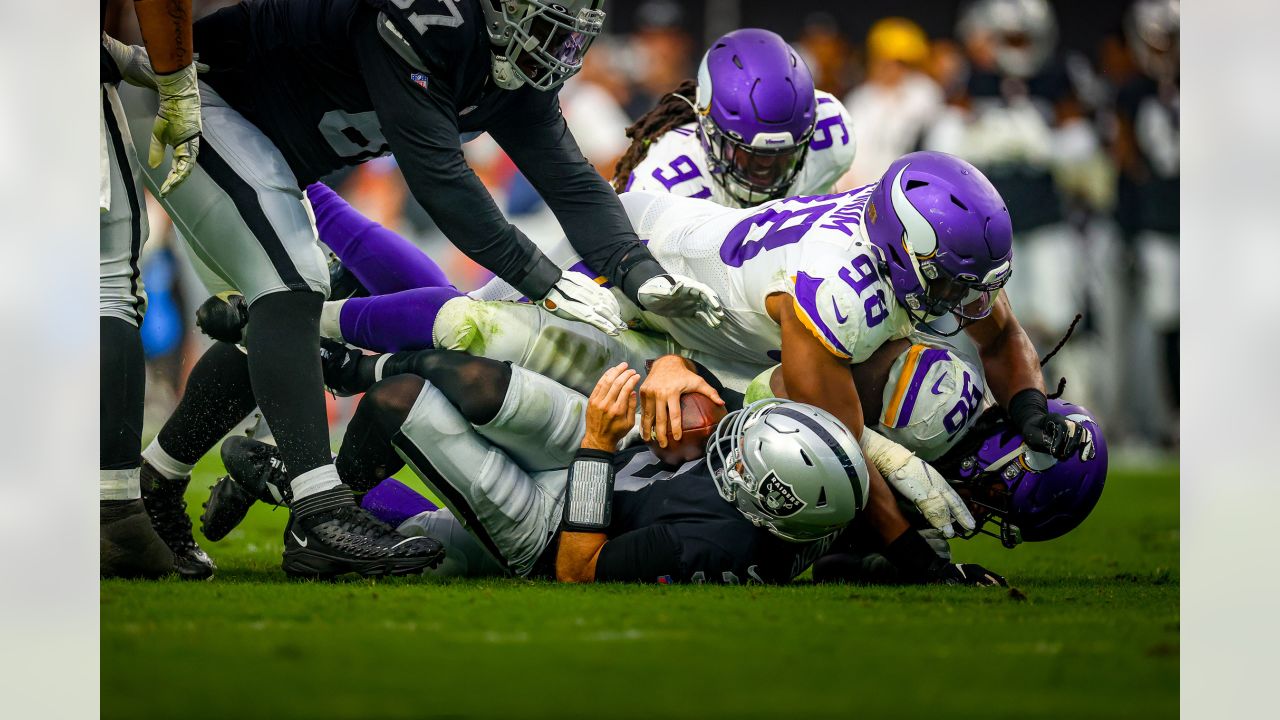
<point x="383" y="261"/>
<point x="393" y="502"/>
<point x="395" y="322"/>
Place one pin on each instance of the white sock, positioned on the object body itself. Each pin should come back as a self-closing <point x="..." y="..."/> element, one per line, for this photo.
<point x="119" y="484"/>
<point x="311" y="482"/>
<point x="169" y="467"/>
<point x="331" y="320"/>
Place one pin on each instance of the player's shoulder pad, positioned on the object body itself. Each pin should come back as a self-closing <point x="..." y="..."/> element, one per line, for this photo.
<point x="834" y="142"/>
<point x="825" y="301"/>
<point x="444" y="34"/>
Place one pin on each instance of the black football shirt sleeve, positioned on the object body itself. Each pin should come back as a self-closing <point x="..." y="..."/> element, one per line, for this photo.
<point x="421" y="126"/>
<point x="537" y="139"/>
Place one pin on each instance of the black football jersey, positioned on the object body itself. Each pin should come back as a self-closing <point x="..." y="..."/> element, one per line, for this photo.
<point x="335" y="82"/>
<point x="671" y="525"/>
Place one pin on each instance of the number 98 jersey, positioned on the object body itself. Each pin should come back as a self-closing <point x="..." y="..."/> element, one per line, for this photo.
<point x="677" y="163"/>
<point x="811" y="248"/>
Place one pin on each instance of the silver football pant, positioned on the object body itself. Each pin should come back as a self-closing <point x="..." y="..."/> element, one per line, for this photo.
<point x="504" y="481"/>
<point x="122" y="223"/>
<point x="241" y="210"/>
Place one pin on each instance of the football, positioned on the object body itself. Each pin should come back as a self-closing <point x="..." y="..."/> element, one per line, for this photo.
<point x="699" y="415"/>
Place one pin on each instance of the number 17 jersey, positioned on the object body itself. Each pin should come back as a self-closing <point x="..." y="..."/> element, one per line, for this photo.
<point x="812" y="248"/>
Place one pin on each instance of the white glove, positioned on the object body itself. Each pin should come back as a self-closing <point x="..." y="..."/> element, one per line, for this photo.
<point x="577" y="297"/>
<point x="918" y="482"/>
<point x="677" y="296"/>
<point x="177" y="121"/>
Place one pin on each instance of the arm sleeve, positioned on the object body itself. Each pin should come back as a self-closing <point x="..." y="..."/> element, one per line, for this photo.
<point x="535" y="136"/>
<point x="422" y="130"/>
<point x="641" y="555"/>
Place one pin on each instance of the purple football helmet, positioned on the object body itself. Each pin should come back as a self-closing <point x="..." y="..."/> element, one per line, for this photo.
<point x="1029" y="496"/>
<point x="944" y="233"/>
<point x="756" y="112"/>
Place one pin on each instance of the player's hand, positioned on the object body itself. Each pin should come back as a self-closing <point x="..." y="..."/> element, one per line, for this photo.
<point x="969" y="574"/>
<point x="918" y="482"/>
<point x="223" y="317"/>
<point x="611" y="408"/>
<point x="669" y="378"/>
<point x="177" y="125"/>
<point x="577" y="297"/>
<point x="677" y="296"/>
<point x="1059" y="436"/>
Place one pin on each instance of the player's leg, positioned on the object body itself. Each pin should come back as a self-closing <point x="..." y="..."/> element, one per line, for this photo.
<point x="513" y="513"/>
<point x="244" y="216"/>
<point x="383" y="261"/>
<point x="129" y="545"/>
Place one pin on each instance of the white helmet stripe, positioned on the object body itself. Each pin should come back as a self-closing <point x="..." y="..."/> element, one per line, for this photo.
<point x="918" y="234"/>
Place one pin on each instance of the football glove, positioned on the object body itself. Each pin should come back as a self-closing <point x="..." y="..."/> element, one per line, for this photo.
<point x="677" y="296"/>
<point x="925" y="487"/>
<point x="970" y="574"/>
<point x="223" y="317"/>
<point x="577" y="297"/>
<point x="1047" y="432"/>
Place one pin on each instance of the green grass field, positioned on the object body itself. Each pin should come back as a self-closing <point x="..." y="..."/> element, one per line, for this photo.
<point x="1092" y="632"/>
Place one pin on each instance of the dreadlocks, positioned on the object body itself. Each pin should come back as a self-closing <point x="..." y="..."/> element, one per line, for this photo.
<point x="674" y="109"/>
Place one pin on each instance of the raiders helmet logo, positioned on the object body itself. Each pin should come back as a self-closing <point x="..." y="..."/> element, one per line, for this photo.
<point x="778" y="497"/>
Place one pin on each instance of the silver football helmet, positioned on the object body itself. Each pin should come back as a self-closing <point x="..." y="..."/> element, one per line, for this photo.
<point x="540" y="43"/>
<point x="1023" y="33"/>
<point x="790" y="468"/>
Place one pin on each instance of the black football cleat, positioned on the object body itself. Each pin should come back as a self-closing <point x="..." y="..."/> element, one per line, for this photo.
<point x="345" y="539"/>
<point x="255" y="473"/>
<point x="128" y="547"/>
<point x="167" y="509"/>
<point x="340" y="364"/>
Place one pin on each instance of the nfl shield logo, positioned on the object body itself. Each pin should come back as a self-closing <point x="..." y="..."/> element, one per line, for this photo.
<point x="420" y="79"/>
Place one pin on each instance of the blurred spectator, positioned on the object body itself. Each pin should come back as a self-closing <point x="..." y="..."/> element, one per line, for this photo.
<point x="827" y="53"/>
<point x="592" y="102"/>
<point x="1146" y="152"/>
<point x="1019" y="120"/>
<point x="895" y="104"/>
<point x="661" y="54"/>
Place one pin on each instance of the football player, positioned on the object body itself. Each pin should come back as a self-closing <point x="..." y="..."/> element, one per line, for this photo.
<point x="140" y="535"/>
<point x="535" y="484"/>
<point x="830" y="277"/>
<point x="297" y="89"/>
<point x="749" y="129"/>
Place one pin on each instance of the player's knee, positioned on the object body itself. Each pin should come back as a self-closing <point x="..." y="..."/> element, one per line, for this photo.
<point x="476" y="386"/>
<point x="391" y="400"/>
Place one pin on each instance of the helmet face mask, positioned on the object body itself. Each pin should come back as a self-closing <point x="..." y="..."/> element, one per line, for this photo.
<point x="789" y="468"/>
<point x="543" y="43"/>
<point x="757" y="110"/>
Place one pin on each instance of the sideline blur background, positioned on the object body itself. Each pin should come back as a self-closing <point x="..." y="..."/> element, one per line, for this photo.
<point x="1071" y="108"/>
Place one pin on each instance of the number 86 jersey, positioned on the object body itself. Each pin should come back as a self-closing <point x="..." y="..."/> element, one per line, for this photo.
<point x="812" y="248"/>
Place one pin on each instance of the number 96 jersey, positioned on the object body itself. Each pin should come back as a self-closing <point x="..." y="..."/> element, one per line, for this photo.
<point x="811" y="248"/>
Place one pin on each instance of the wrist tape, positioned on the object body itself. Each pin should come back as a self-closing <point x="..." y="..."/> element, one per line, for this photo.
<point x="887" y="455"/>
<point x="588" y="498"/>
<point x="1027" y="406"/>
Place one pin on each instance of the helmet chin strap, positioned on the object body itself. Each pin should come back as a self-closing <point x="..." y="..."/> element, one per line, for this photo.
<point x="505" y="75"/>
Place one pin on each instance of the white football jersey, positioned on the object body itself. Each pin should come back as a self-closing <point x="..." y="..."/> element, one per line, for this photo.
<point x="676" y="162"/>
<point x="812" y="248"/>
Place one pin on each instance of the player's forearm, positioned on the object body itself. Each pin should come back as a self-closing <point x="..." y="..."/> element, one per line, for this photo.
<point x="1011" y="364"/>
<point x="577" y="555"/>
<point x="166" y="31"/>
